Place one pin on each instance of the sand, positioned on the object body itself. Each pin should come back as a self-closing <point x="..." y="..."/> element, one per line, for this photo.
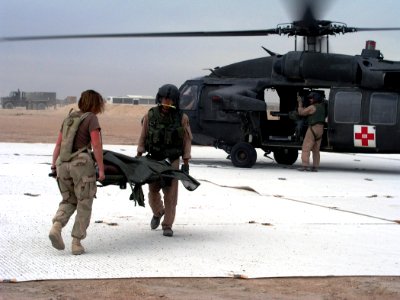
<point x="121" y="126"/>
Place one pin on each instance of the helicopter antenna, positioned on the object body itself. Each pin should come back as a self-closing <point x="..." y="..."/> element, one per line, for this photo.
<point x="269" y="51"/>
<point x="213" y="72"/>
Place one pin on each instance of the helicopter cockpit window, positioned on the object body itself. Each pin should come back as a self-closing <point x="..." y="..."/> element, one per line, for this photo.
<point x="347" y="107"/>
<point x="188" y="98"/>
<point x="383" y="108"/>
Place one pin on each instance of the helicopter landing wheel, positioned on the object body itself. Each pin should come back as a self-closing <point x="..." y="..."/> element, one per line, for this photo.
<point x="243" y="155"/>
<point x="286" y="156"/>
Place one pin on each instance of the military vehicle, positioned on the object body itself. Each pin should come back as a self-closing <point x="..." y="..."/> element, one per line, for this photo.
<point x="29" y="100"/>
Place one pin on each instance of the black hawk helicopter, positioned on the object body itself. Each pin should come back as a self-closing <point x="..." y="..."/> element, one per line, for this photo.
<point x="227" y="108"/>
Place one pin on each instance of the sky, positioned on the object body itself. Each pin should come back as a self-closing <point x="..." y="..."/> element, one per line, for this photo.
<point x="118" y="67"/>
<point x="259" y="222"/>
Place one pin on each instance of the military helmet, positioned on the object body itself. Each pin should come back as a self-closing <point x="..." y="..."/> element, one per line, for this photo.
<point x="316" y="96"/>
<point x="169" y="91"/>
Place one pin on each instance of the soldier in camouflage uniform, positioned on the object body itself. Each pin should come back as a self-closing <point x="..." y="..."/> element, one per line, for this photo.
<point x="165" y="134"/>
<point x="316" y="114"/>
<point x="75" y="169"/>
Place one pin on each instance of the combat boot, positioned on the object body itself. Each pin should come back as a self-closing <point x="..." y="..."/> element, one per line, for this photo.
<point x="155" y="221"/>
<point x="167" y="231"/>
<point x="77" y="248"/>
<point x="55" y="236"/>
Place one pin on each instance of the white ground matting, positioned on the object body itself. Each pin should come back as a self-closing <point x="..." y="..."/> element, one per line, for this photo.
<point x="267" y="221"/>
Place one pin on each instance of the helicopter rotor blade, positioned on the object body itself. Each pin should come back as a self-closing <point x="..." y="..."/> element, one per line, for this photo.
<point x="356" y="29"/>
<point x="308" y="19"/>
<point x="233" y="33"/>
<point x="261" y="32"/>
<point x="307" y="11"/>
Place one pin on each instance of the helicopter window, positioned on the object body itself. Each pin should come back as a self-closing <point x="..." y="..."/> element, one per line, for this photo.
<point x="347" y="107"/>
<point x="188" y="99"/>
<point x="383" y="108"/>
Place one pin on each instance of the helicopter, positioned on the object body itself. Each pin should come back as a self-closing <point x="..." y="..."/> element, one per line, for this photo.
<point x="228" y="108"/>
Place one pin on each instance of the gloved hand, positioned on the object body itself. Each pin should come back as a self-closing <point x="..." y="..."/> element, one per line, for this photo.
<point x="53" y="172"/>
<point x="185" y="169"/>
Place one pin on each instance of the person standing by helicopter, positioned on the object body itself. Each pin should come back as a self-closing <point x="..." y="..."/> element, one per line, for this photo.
<point x="316" y="114"/>
<point x="165" y="135"/>
<point x="74" y="168"/>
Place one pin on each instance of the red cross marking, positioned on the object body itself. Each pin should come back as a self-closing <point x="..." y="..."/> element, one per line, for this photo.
<point x="364" y="136"/>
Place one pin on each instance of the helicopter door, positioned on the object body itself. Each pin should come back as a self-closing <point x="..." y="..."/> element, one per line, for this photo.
<point x="363" y="121"/>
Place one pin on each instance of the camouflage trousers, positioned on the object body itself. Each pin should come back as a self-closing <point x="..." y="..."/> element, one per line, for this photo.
<point x="312" y="143"/>
<point x="77" y="183"/>
<point x="170" y="199"/>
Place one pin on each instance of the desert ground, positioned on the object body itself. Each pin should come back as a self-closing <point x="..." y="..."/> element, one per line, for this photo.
<point x="121" y="126"/>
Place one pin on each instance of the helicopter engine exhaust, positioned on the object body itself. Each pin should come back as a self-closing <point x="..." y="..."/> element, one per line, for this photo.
<point x="300" y="66"/>
<point x="367" y="70"/>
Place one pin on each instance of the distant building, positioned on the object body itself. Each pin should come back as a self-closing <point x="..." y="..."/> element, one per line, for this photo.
<point x="131" y="99"/>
